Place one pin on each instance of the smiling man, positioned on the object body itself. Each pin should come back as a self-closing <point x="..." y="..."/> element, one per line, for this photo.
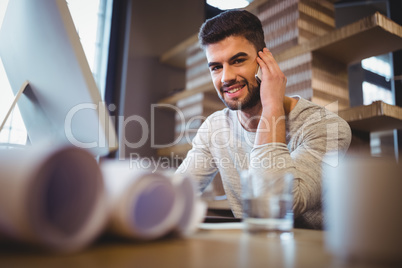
<point x="261" y="130"/>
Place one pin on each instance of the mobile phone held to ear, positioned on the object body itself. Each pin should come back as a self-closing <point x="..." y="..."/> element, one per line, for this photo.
<point x="258" y="75"/>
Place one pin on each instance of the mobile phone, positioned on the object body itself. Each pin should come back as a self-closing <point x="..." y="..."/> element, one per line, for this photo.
<point x="258" y="75"/>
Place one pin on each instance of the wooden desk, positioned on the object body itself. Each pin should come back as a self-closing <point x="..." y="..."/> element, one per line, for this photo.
<point x="206" y="248"/>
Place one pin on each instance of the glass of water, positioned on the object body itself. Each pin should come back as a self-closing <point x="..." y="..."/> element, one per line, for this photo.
<point x="267" y="202"/>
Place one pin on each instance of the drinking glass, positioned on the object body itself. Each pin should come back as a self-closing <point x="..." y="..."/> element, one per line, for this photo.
<point x="267" y="202"/>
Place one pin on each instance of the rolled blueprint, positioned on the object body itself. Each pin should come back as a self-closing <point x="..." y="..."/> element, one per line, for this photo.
<point x="142" y="204"/>
<point x="145" y="204"/>
<point x="51" y="197"/>
<point x="194" y="209"/>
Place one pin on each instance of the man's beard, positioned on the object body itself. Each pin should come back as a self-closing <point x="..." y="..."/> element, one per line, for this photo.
<point x="252" y="99"/>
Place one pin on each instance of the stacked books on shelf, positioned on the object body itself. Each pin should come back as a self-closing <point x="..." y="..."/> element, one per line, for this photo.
<point x="298" y="71"/>
<point x="290" y="23"/>
<point x="197" y="72"/>
<point x="329" y="82"/>
<point x="310" y="75"/>
<point x="61" y="199"/>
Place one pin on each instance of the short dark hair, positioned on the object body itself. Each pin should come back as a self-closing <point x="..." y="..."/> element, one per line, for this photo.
<point x="232" y="23"/>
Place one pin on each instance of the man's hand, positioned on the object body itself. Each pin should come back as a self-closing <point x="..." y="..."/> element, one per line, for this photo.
<point x="273" y="82"/>
<point x="271" y="127"/>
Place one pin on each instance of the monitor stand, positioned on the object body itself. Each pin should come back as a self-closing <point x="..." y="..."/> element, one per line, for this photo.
<point x="39" y="121"/>
<point x="17" y="97"/>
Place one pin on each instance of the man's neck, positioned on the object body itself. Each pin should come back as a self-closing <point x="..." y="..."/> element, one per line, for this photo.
<point x="250" y="118"/>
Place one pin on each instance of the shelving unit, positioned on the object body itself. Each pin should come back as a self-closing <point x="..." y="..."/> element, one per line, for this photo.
<point x="371" y="36"/>
<point x="177" y="55"/>
<point x="377" y="116"/>
<point x="187" y="93"/>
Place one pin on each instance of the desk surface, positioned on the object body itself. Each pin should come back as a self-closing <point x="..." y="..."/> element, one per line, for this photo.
<point x="205" y="248"/>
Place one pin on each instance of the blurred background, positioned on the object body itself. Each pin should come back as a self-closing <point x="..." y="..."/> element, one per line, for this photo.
<point x="145" y="53"/>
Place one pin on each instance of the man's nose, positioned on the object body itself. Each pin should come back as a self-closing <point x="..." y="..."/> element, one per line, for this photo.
<point x="228" y="74"/>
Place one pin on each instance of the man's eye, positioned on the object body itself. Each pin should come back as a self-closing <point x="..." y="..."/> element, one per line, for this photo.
<point x="215" y="68"/>
<point x="238" y="61"/>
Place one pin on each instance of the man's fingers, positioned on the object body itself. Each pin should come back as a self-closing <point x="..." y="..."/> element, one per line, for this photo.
<point x="270" y="60"/>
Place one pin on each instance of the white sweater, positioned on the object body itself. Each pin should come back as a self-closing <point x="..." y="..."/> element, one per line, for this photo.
<point x="223" y="145"/>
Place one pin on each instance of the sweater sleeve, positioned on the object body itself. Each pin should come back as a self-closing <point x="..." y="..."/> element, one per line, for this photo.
<point x="315" y="137"/>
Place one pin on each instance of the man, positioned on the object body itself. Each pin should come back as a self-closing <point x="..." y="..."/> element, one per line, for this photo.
<point x="262" y="130"/>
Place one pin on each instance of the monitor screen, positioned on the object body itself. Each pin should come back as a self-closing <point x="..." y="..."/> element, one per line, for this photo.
<point x="40" y="45"/>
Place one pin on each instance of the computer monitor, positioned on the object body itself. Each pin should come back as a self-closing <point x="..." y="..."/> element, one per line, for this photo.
<point x="39" y="44"/>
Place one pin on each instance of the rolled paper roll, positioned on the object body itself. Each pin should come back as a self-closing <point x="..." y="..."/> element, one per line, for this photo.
<point x="194" y="209"/>
<point x="51" y="197"/>
<point x="143" y="204"/>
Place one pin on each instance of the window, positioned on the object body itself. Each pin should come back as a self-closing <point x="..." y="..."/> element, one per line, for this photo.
<point x="376" y="87"/>
<point x="92" y="19"/>
<point x="372" y="93"/>
<point x="379" y="65"/>
<point x="374" y="90"/>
